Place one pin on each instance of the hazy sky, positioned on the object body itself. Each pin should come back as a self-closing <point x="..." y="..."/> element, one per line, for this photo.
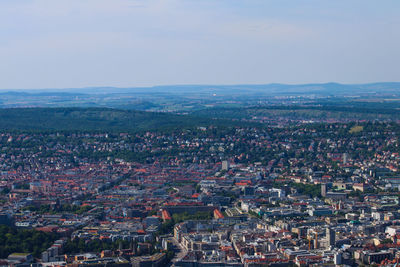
<point x="79" y="43"/>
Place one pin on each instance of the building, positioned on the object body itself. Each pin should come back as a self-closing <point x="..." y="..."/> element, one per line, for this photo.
<point x="323" y="190"/>
<point x="376" y="257"/>
<point x="330" y="237"/>
<point x="156" y="260"/>
<point x="225" y="165"/>
<point x="319" y="211"/>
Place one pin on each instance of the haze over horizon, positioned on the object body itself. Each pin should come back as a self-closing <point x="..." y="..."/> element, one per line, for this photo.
<point x="227" y="87"/>
<point x="135" y="43"/>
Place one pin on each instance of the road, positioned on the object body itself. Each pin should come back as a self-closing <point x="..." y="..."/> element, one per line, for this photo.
<point x="180" y="252"/>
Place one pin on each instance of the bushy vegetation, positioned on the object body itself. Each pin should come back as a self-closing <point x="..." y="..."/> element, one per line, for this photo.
<point x="65" y="208"/>
<point x="96" y="119"/>
<point x="304" y="189"/>
<point x="308" y="189"/>
<point x="24" y="240"/>
<point x="348" y="113"/>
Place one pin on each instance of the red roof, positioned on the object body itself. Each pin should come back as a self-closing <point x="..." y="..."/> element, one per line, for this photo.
<point x="166" y="215"/>
<point x="218" y="214"/>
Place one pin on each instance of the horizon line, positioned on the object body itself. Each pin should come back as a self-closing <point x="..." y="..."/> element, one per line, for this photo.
<point x="185" y="85"/>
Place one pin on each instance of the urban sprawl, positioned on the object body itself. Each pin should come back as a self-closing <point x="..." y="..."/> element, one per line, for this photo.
<point x="305" y="195"/>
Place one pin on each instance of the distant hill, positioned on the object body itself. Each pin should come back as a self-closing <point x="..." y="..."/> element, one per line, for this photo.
<point x="264" y="89"/>
<point x="97" y="119"/>
<point x="188" y="98"/>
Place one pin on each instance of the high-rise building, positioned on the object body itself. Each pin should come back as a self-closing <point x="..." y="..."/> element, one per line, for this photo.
<point x="323" y="190"/>
<point x="225" y="165"/>
<point x="337" y="258"/>
<point x="345" y="158"/>
<point x="330" y="236"/>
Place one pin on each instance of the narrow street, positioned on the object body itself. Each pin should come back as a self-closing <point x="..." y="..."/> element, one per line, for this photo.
<point x="180" y="252"/>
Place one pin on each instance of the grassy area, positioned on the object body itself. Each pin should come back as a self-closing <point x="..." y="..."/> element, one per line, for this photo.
<point x="356" y="129"/>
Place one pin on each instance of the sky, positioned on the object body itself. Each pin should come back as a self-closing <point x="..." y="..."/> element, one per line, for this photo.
<point x="129" y="43"/>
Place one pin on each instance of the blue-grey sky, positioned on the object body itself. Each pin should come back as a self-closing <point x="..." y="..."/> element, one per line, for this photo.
<point x="126" y="43"/>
